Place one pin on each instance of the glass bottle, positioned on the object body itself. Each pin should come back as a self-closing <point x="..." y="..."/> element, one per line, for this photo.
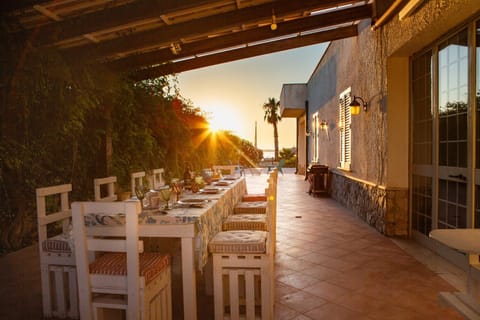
<point x="187" y="176"/>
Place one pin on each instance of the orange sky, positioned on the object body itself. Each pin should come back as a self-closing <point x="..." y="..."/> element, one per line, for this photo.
<point x="233" y="93"/>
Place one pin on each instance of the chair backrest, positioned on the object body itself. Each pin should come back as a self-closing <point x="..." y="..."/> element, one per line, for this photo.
<point x="99" y="186"/>
<point x="271" y="193"/>
<point x="59" y="205"/>
<point x="125" y="240"/>
<point x="155" y="178"/>
<point x="230" y="168"/>
<point x="137" y="179"/>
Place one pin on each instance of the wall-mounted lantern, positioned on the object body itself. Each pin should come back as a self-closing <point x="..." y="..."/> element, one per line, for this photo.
<point x="355" y="105"/>
<point x="324" y="125"/>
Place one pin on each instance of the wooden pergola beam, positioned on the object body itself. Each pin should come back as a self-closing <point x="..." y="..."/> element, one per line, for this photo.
<point x="201" y="26"/>
<point x="108" y="18"/>
<point x="247" y="52"/>
<point x="13" y="5"/>
<point x="243" y="37"/>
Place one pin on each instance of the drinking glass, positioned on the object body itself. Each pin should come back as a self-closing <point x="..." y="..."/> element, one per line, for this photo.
<point x="140" y="192"/>
<point x="166" y="193"/>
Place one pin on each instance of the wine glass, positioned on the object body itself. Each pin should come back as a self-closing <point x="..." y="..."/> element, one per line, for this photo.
<point x="140" y="192"/>
<point x="166" y="193"/>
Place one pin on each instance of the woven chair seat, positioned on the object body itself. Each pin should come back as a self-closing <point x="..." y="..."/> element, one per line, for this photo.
<point x="57" y="244"/>
<point x="253" y="197"/>
<point x="115" y="264"/>
<point x="245" y="222"/>
<point x="251" y="207"/>
<point x="239" y="241"/>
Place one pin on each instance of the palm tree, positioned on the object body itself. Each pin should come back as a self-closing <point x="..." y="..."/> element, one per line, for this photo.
<point x="272" y="116"/>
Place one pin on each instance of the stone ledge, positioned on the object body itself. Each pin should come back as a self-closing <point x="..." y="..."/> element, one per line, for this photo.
<point x="384" y="209"/>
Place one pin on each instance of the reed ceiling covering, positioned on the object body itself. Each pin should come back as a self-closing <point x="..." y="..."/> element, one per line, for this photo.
<point x="150" y="38"/>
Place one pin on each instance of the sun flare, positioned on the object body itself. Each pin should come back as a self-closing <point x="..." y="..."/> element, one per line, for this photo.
<point x="214" y="126"/>
<point x="223" y="117"/>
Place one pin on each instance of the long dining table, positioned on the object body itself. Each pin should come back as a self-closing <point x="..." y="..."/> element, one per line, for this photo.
<point x="195" y="223"/>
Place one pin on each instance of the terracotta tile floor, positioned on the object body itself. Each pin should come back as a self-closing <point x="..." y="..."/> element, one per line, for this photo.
<point x="332" y="265"/>
<point x="329" y="265"/>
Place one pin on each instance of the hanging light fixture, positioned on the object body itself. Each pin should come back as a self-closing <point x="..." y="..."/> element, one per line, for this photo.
<point x="273" y="25"/>
<point x="355" y="105"/>
<point x="175" y="48"/>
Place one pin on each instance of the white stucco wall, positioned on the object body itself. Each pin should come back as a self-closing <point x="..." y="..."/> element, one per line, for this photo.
<point x="375" y="65"/>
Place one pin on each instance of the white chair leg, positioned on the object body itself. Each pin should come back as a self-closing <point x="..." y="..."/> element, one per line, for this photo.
<point x="98" y="313"/>
<point x="46" y="291"/>
<point x="169" y="298"/>
<point x="72" y="292"/>
<point x="58" y="276"/>
<point x="218" y="288"/>
<point x="234" y="294"/>
<point x="250" y="294"/>
<point x="209" y="277"/>
<point x="265" y="284"/>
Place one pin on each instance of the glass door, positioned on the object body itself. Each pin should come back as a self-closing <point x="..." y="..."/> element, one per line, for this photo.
<point x="422" y="144"/>
<point x="453" y="144"/>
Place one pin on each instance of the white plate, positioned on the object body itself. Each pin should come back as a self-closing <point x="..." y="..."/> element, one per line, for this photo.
<point x="192" y="202"/>
<point x="210" y="190"/>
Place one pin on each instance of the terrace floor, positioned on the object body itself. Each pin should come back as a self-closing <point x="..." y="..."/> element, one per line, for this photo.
<point x="329" y="265"/>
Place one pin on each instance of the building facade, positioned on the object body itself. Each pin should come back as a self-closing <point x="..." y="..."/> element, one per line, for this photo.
<point x="407" y="163"/>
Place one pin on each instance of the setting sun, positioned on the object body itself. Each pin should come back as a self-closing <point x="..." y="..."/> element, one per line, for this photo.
<point x="214" y="126"/>
<point x="223" y="117"/>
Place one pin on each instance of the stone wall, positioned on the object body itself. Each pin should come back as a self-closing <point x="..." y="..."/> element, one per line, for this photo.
<point x="385" y="210"/>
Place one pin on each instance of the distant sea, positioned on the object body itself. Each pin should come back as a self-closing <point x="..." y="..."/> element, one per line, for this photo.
<point x="268" y="154"/>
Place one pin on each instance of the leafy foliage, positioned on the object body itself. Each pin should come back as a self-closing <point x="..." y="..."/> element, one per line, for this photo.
<point x="290" y="157"/>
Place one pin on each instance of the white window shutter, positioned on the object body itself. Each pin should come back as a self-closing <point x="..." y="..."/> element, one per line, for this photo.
<point x="345" y="119"/>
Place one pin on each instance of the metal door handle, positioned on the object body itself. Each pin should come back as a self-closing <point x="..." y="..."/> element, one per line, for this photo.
<point x="458" y="176"/>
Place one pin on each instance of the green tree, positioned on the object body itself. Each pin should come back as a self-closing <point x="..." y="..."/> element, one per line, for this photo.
<point x="272" y="116"/>
<point x="289" y="155"/>
<point x="250" y="155"/>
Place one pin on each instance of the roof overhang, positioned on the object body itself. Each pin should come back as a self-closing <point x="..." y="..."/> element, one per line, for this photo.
<point x="293" y="98"/>
<point x="150" y="38"/>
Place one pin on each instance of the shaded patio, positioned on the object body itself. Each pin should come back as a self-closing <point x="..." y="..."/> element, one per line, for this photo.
<point x="329" y="265"/>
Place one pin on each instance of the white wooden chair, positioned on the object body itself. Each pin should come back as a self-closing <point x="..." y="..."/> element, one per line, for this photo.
<point x="231" y="169"/>
<point x="121" y="276"/>
<point x="252" y="197"/>
<point x="137" y="179"/>
<point x="258" y="202"/>
<point x="104" y="188"/>
<point x="57" y="261"/>
<point x="243" y="272"/>
<point x="250" y="220"/>
<point x="155" y="178"/>
<point x="253" y="220"/>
